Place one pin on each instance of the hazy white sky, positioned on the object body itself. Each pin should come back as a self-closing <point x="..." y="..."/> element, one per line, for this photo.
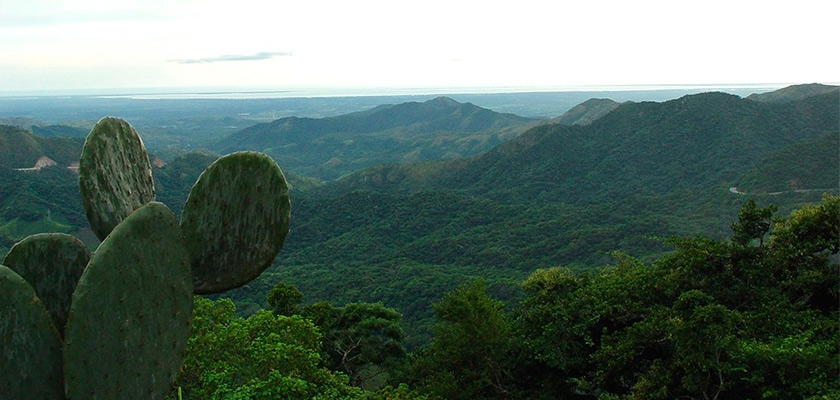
<point x="57" y="45"/>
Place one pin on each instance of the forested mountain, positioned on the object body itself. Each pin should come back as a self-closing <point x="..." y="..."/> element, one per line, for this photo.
<point x="696" y="142"/>
<point x="555" y="195"/>
<point x="328" y="148"/>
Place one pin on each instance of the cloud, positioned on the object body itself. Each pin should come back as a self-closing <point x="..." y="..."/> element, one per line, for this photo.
<point x="265" y="55"/>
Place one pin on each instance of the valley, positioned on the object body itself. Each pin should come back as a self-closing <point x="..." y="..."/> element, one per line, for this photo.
<point x="400" y="202"/>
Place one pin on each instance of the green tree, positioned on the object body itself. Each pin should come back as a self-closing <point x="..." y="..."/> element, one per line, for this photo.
<point x="468" y="356"/>
<point x="753" y="224"/>
<point x="265" y="356"/>
<point x="726" y="319"/>
<point x="284" y="299"/>
<point x="363" y="340"/>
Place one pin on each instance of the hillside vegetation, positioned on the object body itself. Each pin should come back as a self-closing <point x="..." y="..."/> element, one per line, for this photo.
<point x="815" y="168"/>
<point x="750" y="316"/>
<point x="555" y="195"/>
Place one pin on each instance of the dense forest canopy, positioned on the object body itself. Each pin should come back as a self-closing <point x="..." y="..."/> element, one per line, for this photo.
<point x="750" y="316"/>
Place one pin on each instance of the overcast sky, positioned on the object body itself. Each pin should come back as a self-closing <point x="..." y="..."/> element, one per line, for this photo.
<point x="58" y="45"/>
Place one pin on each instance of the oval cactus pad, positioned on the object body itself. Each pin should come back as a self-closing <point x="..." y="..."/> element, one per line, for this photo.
<point x="130" y="317"/>
<point x="52" y="263"/>
<point x="30" y="349"/>
<point x="235" y="221"/>
<point x="115" y="176"/>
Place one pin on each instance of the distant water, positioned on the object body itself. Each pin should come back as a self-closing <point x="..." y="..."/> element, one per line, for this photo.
<point x="278" y="93"/>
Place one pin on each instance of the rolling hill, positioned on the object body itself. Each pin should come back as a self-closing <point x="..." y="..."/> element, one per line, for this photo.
<point x="328" y="148"/>
<point x="794" y="93"/>
<point x="21" y="149"/>
<point x="587" y="112"/>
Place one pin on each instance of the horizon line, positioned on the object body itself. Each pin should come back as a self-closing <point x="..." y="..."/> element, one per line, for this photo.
<point x="210" y="92"/>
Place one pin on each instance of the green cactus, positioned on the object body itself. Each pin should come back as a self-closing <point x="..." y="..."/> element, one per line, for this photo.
<point x="30" y="348"/>
<point x="115" y="176"/>
<point x="130" y="316"/>
<point x="235" y="220"/>
<point x="52" y="263"/>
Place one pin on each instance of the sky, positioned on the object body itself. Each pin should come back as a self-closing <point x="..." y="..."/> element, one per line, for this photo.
<point x="61" y="46"/>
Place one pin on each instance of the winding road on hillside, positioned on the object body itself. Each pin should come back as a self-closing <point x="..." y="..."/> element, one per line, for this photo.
<point x="736" y="191"/>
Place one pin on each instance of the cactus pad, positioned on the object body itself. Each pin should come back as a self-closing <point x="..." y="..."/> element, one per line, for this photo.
<point x="30" y="349"/>
<point x="235" y="221"/>
<point x="115" y="176"/>
<point x="52" y="263"/>
<point x="130" y="316"/>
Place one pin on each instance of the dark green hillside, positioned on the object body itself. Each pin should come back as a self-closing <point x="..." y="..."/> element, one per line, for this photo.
<point x="445" y="228"/>
<point x="807" y="165"/>
<point x="696" y="142"/>
<point x="21" y="149"/>
<point x="794" y="93"/>
<point x="328" y="148"/>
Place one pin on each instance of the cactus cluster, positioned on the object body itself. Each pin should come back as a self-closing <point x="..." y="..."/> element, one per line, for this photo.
<point x="113" y="324"/>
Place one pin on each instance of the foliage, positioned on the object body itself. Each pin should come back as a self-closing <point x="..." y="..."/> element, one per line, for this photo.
<point x="777" y="173"/>
<point x="265" y="356"/>
<point x="468" y="357"/>
<point x="284" y="299"/>
<point x="362" y="340"/>
<point x="715" y="319"/>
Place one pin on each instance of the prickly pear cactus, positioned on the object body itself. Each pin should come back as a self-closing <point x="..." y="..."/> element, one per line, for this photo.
<point x="115" y="176"/>
<point x="52" y="263"/>
<point x="130" y="316"/>
<point x="30" y="349"/>
<point x="235" y="221"/>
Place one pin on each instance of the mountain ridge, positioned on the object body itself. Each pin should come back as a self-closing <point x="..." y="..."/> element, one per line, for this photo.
<point x="793" y="93"/>
<point x="587" y="112"/>
<point x="330" y="147"/>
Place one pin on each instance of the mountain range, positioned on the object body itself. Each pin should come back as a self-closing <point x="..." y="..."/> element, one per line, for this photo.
<point x="420" y="196"/>
<point x="697" y="142"/>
